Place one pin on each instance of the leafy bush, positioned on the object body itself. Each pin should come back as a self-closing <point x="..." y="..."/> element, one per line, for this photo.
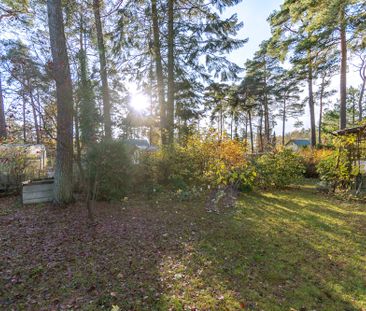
<point x="203" y="161"/>
<point x="229" y="166"/>
<point x="337" y="170"/>
<point x="145" y="175"/>
<point x="110" y="165"/>
<point x="279" y="169"/>
<point x="311" y="158"/>
<point x="17" y="165"/>
<point x="210" y="161"/>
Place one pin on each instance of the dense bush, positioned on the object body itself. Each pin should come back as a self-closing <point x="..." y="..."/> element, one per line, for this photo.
<point x="110" y="165"/>
<point x="337" y="170"/>
<point x="311" y="158"/>
<point x="203" y="161"/>
<point x="209" y="161"/>
<point x="279" y="169"/>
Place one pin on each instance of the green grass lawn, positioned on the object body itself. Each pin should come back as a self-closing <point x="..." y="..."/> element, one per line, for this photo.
<point x="281" y="250"/>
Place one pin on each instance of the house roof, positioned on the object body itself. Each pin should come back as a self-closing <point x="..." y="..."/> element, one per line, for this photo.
<point x="299" y="142"/>
<point x="353" y="130"/>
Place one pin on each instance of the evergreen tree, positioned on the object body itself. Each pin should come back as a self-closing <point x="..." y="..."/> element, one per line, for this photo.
<point x="61" y="72"/>
<point x="287" y="94"/>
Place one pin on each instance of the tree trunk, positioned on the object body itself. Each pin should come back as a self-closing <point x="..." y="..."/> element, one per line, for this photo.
<point x="24" y="119"/>
<point x="343" y="79"/>
<point x="236" y="121"/>
<point x="251" y="131"/>
<point x="159" y="71"/>
<point x="77" y="140"/>
<point x="261" y="149"/>
<point x="221" y="123"/>
<point x="360" y="107"/>
<point x="231" y="125"/>
<point x="40" y="119"/>
<point x="311" y="105"/>
<point x="170" y="101"/>
<point x="103" y="72"/>
<point x="61" y="73"/>
<point x="266" y="114"/>
<point x="151" y="75"/>
<point x="321" y="110"/>
<point x="3" y="132"/>
<point x="362" y="73"/>
<point x="35" y="117"/>
<point x="284" y="121"/>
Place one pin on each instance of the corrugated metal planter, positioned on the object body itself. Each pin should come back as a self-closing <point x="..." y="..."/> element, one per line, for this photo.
<point x="37" y="191"/>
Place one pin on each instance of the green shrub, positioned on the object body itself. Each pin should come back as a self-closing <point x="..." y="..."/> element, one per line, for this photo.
<point x="337" y="170"/>
<point x="205" y="161"/>
<point x="109" y="163"/>
<point x="145" y="174"/>
<point x="279" y="169"/>
<point x="311" y="158"/>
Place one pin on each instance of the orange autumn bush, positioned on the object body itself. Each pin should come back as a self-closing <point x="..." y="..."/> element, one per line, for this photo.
<point x="204" y="160"/>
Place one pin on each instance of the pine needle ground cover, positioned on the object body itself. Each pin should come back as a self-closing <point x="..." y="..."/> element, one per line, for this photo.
<point x="289" y="250"/>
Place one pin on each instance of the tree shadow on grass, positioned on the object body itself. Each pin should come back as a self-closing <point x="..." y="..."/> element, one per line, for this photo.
<point x="274" y="253"/>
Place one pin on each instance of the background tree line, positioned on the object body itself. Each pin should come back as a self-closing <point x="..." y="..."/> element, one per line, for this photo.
<point x="65" y="75"/>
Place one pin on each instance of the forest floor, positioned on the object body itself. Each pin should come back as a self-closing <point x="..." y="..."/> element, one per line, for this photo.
<point x="285" y="250"/>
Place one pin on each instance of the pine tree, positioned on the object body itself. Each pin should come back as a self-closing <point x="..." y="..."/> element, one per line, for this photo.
<point x="61" y="73"/>
<point x="287" y="94"/>
<point x="187" y="47"/>
<point x="103" y="70"/>
<point x="292" y="37"/>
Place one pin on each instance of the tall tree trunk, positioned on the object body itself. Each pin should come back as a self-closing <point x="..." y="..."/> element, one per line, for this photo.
<point x="311" y="105"/>
<point x="24" y="119"/>
<point x="221" y="123"/>
<point x="260" y="129"/>
<point x="77" y="143"/>
<point x="343" y="79"/>
<point x="103" y="71"/>
<point x="82" y="56"/>
<point x="39" y="111"/>
<point x="267" y="134"/>
<point x="170" y="101"/>
<point x="86" y="100"/>
<point x="159" y="71"/>
<point x="61" y="72"/>
<point x="322" y="88"/>
<point x="251" y="131"/>
<point x="362" y="73"/>
<point x="284" y="122"/>
<point x="360" y="106"/>
<point x="35" y="117"/>
<point x="3" y="132"/>
<point x="151" y="75"/>
<point x="236" y="121"/>
<point x="266" y="114"/>
<point x="231" y="125"/>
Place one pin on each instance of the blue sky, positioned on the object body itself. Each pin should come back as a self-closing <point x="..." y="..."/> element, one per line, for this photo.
<point x="254" y="14"/>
